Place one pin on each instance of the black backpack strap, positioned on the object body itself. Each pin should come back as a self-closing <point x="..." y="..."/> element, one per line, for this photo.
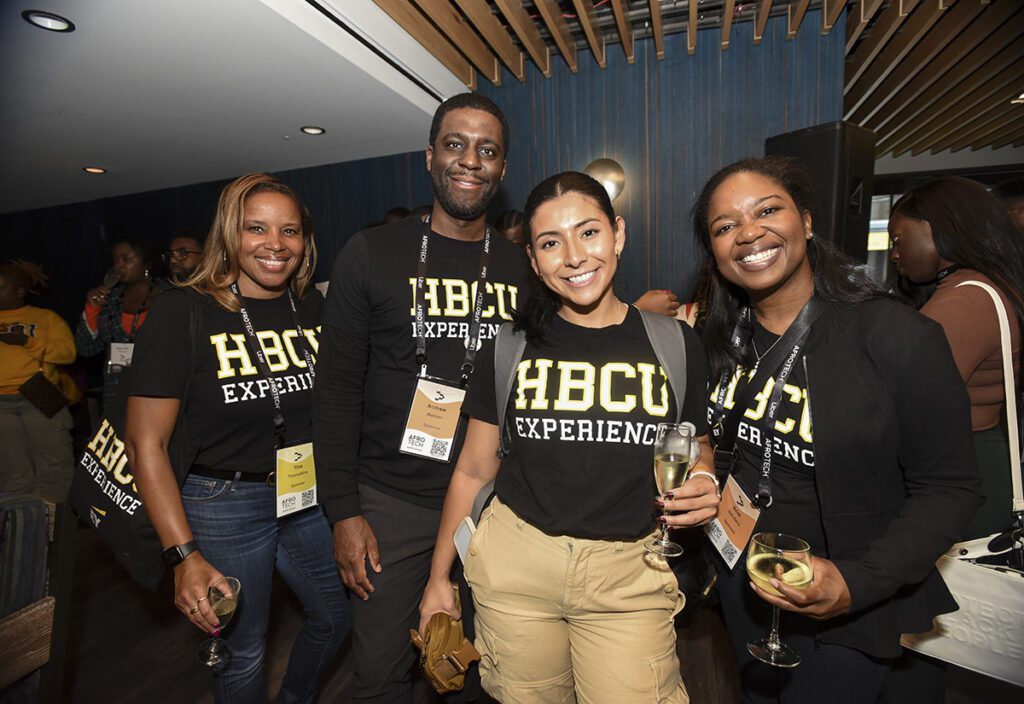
<point x="669" y="345"/>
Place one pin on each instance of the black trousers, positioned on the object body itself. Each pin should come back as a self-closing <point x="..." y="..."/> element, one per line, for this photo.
<point x="383" y="656"/>
<point x="827" y="673"/>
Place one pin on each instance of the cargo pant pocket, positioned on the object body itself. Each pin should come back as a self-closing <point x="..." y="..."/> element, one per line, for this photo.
<point x="668" y="683"/>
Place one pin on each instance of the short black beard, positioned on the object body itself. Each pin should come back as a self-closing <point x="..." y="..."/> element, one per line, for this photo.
<point x="182" y="276"/>
<point x="457" y="210"/>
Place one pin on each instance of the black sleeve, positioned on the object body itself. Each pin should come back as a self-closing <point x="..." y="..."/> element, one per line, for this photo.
<point x="163" y="350"/>
<point x="312" y="308"/>
<point x="481" y="399"/>
<point x="340" y="378"/>
<point x="940" y="472"/>
<point x="695" y="404"/>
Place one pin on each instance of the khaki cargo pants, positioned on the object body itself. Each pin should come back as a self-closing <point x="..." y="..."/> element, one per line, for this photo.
<point x="566" y="620"/>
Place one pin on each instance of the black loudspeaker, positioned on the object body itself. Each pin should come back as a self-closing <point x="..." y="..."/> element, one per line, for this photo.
<point x="840" y="157"/>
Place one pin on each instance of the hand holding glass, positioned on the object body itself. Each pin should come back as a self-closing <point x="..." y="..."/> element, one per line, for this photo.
<point x="672" y="459"/>
<point x="785" y="559"/>
<point x="214" y="652"/>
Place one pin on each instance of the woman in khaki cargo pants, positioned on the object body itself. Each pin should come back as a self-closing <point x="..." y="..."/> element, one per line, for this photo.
<point x="569" y="607"/>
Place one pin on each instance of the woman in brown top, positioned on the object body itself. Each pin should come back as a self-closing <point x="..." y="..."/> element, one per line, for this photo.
<point x="951" y="230"/>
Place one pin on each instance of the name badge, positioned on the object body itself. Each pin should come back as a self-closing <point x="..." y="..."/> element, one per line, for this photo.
<point x="295" y="478"/>
<point x="731" y="529"/>
<point x="433" y="419"/>
<point x="121" y="353"/>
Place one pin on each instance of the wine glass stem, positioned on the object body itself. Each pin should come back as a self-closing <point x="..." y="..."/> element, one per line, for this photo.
<point x="773" y="638"/>
<point x="664" y="531"/>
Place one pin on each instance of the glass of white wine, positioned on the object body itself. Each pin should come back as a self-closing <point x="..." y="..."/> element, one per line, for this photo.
<point x="672" y="458"/>
<point x="214" y="652"/>
<point x="788" y="560"/>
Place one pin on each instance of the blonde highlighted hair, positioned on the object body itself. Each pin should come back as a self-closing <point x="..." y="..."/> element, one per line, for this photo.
<point x="218" y="268"/>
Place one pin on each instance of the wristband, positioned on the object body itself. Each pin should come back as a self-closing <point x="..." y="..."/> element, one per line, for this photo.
<point x="709" y="475"/>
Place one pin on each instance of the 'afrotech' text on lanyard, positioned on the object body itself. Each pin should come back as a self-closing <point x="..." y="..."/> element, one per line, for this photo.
<point x="295" y="472"/>
<point x="737" y="515"/>
<point x="437" y="403"/>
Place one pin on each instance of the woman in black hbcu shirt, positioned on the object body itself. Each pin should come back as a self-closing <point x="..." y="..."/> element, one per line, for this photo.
<point x="567" y="602"/>
<point x="869" y="439"/>
<point x="249" y="290"/>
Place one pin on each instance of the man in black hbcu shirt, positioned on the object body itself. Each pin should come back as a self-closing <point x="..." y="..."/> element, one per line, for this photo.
<point x="385" y="506"/>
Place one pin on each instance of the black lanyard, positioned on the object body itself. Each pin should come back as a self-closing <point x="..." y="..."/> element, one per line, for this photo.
<point x="947" y="271"/>
<point x="261" y="360"/>
<point x="138" y="312"/>
<point x="724" y="426"/>
<point x="478" y="305"/>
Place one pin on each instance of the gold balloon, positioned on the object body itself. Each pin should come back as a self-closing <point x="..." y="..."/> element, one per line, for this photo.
<point x="609" y="174"/>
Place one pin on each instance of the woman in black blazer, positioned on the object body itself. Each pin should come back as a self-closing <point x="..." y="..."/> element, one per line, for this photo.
<point x="870" y="440"/>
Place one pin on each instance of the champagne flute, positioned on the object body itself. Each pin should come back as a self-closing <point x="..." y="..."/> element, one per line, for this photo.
<point x="214" y="652"/>
<point x="788" y="560"/>
<point x="672" y="459"/>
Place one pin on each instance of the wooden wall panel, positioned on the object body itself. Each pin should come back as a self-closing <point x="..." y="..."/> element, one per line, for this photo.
<point x="671" y="124"/>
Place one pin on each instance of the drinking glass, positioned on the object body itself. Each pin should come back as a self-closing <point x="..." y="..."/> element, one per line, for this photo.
<point x="214" y="652"/>
<point x="672" y="458"/>
<point x="788" y="560"/>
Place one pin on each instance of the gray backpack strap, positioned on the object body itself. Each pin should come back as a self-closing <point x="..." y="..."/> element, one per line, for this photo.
<point x="480" y="502"/>
<point x="508" y="351"/>
<point x="670" y="348"/>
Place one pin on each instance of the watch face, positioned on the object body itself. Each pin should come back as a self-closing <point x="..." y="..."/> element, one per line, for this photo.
<point x="173" y="555"/>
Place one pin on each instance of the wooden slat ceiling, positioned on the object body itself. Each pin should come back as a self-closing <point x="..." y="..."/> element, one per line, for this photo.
<point x="925" y="75"/>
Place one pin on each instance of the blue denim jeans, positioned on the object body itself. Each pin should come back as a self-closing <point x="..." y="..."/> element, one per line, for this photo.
<point x="235" y="526"/>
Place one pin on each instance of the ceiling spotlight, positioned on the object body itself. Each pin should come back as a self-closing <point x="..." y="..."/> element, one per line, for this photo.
<point x="1019" y="100"/>
<point x="48" y="21"/>
<point x="94" y="170"/>
<point x="313" y="129"/>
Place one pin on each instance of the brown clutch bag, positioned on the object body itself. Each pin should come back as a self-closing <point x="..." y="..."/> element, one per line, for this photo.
<point x="41" y="393"/>
<point x="445" y="652"/>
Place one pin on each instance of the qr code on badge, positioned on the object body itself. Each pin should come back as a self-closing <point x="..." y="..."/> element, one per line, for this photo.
<point x="729" y="552"/>
<point x="307" y="498"/>
<point x="714" y="530"/>
<point x="417" y="441"/>
<point x="287" y="503"/>
<point x="439" y="448"/>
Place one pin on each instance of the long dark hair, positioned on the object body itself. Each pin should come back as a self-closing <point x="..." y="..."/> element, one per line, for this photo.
<point x="836" y="277"/>
<point x="971" y="227"/>
<point x="534" y="317"/>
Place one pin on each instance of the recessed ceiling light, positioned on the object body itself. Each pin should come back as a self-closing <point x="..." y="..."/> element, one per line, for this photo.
<point x="313" y="129"/>
<point x="1019" y="100"/>
<point x="94" y="170"/>
<point x="48" y="20"/>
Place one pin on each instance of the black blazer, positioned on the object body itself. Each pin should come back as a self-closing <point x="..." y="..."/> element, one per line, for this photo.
<point x="896" y="474"/>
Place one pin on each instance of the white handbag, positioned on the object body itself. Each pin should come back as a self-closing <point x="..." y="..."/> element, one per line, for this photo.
<point x="986" y="634"/>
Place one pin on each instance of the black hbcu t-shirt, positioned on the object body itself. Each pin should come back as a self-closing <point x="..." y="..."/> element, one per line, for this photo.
<point x="582" y="417"/>
<point x="794" y="508"/>
<point x="229" y="409"/>
<point x="367" y="372"/>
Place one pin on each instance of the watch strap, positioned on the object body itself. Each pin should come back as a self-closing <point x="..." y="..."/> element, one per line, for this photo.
<point x="176" y="554"/>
